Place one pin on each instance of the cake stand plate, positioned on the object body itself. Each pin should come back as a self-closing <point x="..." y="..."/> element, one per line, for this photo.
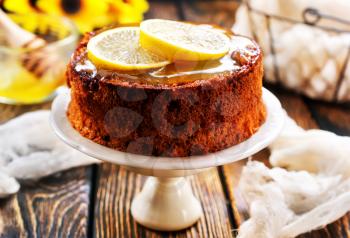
<point x="166" y="201"/>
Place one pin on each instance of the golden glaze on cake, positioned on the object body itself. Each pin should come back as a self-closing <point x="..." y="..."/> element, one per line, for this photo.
<point x="180" y="110"/>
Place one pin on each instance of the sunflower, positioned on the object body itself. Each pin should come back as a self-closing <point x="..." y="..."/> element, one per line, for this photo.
<point x="87" y="14"/>
<point x="19" y="6"/>
<point x="128" y="11"/>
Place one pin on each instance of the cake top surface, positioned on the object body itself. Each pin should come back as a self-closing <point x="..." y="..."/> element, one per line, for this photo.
<point x="240" y="56"/>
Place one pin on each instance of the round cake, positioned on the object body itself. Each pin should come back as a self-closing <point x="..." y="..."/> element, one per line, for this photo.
<point x="178" y="110"/>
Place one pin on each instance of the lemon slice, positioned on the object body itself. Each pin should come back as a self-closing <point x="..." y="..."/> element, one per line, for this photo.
<point x="120" y="49"/>
<point x="183" y="41"/>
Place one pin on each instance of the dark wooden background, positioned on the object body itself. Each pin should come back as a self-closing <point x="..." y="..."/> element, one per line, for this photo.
<point x="94" y="201"/>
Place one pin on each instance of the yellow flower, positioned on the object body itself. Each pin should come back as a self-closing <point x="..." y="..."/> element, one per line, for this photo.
<point x="128" y="11"/>
<point x="87" y="14"/>
<point x="19" y="6"/>
<point x="90" y="14"/>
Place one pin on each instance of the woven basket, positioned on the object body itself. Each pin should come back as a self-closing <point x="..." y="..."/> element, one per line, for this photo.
<point x="309" y="54"/>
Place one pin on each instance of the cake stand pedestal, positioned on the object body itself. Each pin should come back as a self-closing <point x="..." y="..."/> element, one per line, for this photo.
<point x="166" y="201"/>
<point x="166" y="204"/>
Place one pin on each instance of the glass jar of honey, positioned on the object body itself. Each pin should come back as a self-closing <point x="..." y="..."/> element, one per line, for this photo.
<point x="18" y="83"/>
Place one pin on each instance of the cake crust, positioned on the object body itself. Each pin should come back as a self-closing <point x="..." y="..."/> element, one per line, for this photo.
<point x="175" y="120"/>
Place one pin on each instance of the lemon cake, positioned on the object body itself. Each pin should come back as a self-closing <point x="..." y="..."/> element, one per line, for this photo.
<point x="166" y="88"/>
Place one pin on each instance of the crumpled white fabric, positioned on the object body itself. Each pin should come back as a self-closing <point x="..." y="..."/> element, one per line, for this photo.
<point x="29" y="149"/>
<point x="309" y="59"/>
<point x="307" y="188"/>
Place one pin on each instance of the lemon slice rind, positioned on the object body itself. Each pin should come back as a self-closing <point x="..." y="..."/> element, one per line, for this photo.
<point x="119" y="49"/>
<point x="183" y="41"/>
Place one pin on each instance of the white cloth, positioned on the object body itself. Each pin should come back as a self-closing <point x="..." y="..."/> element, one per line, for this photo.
<point x="313" y="192"/>
<point x="309" y="59"/>
<point x="29" y="149"/>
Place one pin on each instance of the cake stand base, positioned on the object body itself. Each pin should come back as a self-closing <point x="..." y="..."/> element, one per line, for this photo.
<point x="166" y="204"/>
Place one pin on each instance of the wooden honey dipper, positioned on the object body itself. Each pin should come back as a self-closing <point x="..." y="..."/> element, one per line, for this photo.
<point x="39" y="57"/>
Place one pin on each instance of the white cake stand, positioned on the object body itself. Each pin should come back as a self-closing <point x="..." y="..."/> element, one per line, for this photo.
<point x="166" y="201"/>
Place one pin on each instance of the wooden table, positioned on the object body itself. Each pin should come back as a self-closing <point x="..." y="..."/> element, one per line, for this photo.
<point x="95" y="201"/>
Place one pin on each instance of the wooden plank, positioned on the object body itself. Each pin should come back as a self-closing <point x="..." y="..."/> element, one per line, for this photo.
<point x="299" y="111"/>
<point x="331" y="116"/>
<point x="295" y="107"/>
<point x="117" y="187"/>
<point x="56" y="206"/>
<point x="9" y="111"/>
